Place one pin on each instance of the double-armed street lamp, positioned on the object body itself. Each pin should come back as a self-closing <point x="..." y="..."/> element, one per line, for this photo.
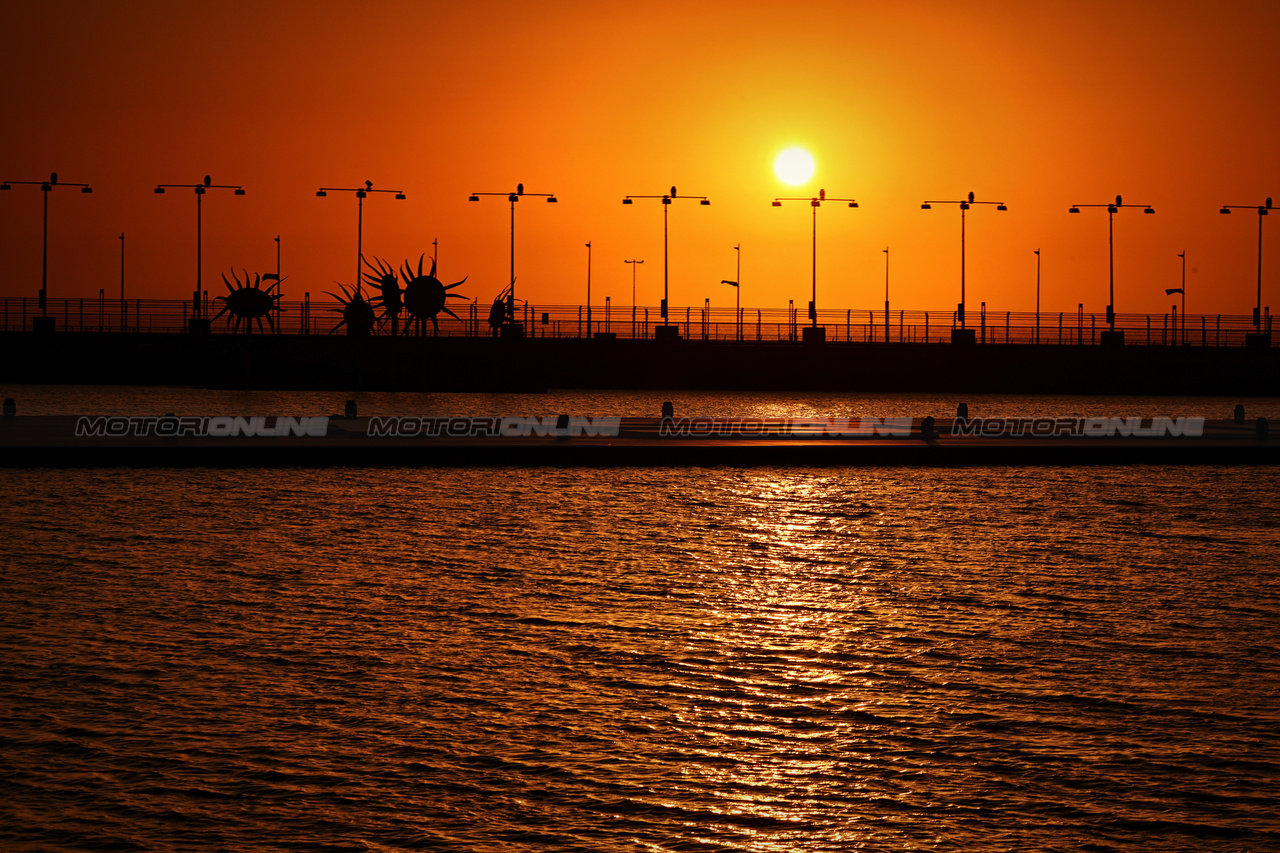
<point x="510" y="328"/>
<point x="198" y="322"/>
<point x="963" y="334"/>
<point x="1259" y="337"/>
<point x="736" y="284"/>
<point x="666" y="331"/>
<point x="45" y="323"/>
<point x="360" y="192"/>
<point x="1112" y="337"/>
<point x="1037" y="251"/>
<point x="812" y="332"/>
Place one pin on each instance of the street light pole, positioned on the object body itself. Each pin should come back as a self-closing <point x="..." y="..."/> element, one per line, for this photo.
<point x="1263" y="210"/>
<point x="633" y="295"/>
<point x="360" y="194"/>
<point x="666" y="330"/>
<point x="45" y="323"/>
<point x="1112" y="338"/>
<point x="737" y="294"/>
<point x="886" y="294"/>
<point x="963" y="334"/>
<point x="198" y="323"/>
<point x="124" y="308"/>
<point x="812" y="333"/>
<point x="1037" y="295"/>
<point x="510" y="327"/>
<point x="588" y="290"/>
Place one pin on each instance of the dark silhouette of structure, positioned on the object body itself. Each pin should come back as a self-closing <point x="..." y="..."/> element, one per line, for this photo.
<point x="247" y="303"/>
<point x="962" y="335"/>
<point x="1112" y="337"/>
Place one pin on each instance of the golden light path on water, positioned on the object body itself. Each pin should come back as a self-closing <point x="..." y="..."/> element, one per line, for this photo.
<point x="986" y="659"/>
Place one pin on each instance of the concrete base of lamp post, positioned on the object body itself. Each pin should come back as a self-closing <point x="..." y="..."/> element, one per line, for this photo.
<point x="1112" y="339"/>
<point x="606" y="336"/>
<point x="1252" y="340"/>
<point x="43" y="324"/>
<point x="964" y="337"/>
<point x="666" y="333"/>
<point x="511" y="331"/>
<point x="199" y="326"/>
<point x="813" y="334"/>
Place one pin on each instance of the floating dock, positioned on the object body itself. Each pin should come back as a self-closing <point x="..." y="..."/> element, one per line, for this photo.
<point x="566" y="441"/>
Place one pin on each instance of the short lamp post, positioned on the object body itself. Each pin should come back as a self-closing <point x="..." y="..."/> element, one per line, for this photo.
<point x="360" y="196"/>
<point x="45" y="323"/>
<point x="666" y="331"/>
<point x="510" y="328"/>
<point x="1112" y="337"/>
<point x="1170" y="291"/>
<point x="963" y="335"/>
<point x="736" y="284"/>
<point x="1258" y="338"/>
<point x="633" y="263"/>
<point x="199" y="323"/>
<point x="813" y="333"/>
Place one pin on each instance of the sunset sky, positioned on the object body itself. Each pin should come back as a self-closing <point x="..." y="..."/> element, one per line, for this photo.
<point x="1036" y="104"/>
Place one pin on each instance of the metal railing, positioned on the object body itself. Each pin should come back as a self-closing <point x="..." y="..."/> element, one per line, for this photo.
<point x="307" y="317"/>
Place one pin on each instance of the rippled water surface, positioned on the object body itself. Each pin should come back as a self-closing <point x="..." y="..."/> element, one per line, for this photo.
<point x="640" y="660"/>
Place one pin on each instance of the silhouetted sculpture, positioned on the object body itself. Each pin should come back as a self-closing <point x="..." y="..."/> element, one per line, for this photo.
<point x="357" y="314"/>
<point x="389" y="296"/>
<point x="248" y="302"/>
<point x="424" y="296"/>
<point x="503" y="305"/>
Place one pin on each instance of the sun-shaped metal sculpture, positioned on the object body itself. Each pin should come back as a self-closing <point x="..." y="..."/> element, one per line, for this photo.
<point x="501" y="308"/>
<point x="388" y="296"/>
<point x="357" y="314"/>
<point x="425" y="296"/>
<point x="249" y="302"/>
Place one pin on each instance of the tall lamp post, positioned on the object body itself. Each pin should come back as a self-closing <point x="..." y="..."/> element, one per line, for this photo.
<point x="360" y="194"/>
<point x="512" y="329"/>
<point x="812" y="332"/>
<point x="1258" y="338"/>
<point x="633" y="295"/>
<point x="198" y="322"/>
<point x="45" y="323"/>
<point x="963" y="335"/>
<point x="666" y="331"/>
<point x="1112" y="337"/>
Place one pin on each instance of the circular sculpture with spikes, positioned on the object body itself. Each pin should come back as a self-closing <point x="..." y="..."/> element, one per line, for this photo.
<point x="425" y="296"/>
<point x="249" y="302"/>
<point x="357" y="314"/>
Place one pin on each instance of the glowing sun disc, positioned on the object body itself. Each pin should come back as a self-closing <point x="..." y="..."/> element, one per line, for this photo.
<point x="794" y="166"/>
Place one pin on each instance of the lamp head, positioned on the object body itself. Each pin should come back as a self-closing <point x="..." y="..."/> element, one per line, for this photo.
<point x="1225" y="209"/>
<point x="473" y="198"/>
<point x="926" y="206"/>
<point x="624" y="201"/>
<point x="86" y="189"/>
<point x="158" y="190"/>
<point x="552" y="200"/>
<point x="239" y="190"/>
<point x="399" y="196"/>
<point x="777" y="204"/>
<point x="1148" y="209"/>
<point x="321" y="194"/>
<point x="705" y="202"/>
<point x="1074" y="209"/>
<point x="1001" y="207"/>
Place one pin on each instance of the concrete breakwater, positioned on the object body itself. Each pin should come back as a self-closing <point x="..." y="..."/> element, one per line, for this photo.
<point x="287" y="362"/>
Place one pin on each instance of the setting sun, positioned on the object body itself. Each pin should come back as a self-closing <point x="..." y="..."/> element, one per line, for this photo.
<point x="794" y="166"/>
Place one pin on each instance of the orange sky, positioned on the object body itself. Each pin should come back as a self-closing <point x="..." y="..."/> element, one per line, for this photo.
<point x="1037" y="104"/>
